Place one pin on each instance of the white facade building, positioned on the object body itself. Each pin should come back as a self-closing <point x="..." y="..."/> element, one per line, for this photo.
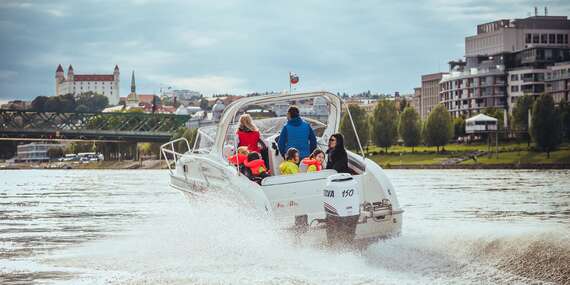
<point x="35" y="151"/>
<point x="104" y="84"/>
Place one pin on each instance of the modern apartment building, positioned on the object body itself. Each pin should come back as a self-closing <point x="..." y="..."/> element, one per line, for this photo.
<point x="430" y="92"/>
<point x="558" y="81"/>
<point x="467" y="91"/>
<point x="507" y="59"/>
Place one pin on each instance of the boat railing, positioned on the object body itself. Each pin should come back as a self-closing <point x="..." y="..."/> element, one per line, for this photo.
<point x="170" y="153"/>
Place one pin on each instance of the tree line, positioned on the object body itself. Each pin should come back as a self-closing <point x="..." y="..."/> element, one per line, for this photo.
<point x="550" y="124"/>
<point x="84" y="102"/>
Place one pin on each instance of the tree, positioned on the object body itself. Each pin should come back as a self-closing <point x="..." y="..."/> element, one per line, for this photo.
<point x="385" y="124"/>
<point x="361" y="124"/>
<point x="439" y="128"/>
<point x="403" y="104"/>
<point x="204" y="104"/>
<point x="458" y="127"/>
<point x="183" y="132"/>
<point x="38" y="104"/>
<point x="55" y="152"/>
<point x="546" y="126"/>
<point x="81" y="109"/>
<point x="93" y="101"/>
<point x="497" y="114"/>
<point x="67" y="103"/>
<point x="520" y="112"/>
<point x="53" y="104"/>
<point x="410" y="127"/>
<point x="564" y="108"/>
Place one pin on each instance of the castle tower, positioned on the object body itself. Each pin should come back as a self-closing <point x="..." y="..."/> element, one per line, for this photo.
<point x="59" y="79"/>
<point x="116" y="73"/>
<point x="133" y="85"/>
<point x="133" y="99"/>
<point x="70" y="74"/>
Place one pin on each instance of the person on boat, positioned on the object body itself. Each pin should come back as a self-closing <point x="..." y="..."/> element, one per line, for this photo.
<point x="337" y="155"/>
<point x="248" y="134"/>
<point x="297" y="134"/>
<point x="240" y="156"/>
<point x="255" y="167"/>
<point x="291" y="163"/>
<point x="315" y="161"/>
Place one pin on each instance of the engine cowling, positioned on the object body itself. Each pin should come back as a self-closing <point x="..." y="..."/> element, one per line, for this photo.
<point x="341" y="202"/>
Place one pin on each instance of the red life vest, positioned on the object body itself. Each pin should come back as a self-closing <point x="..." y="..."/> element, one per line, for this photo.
<point x="308" y="162"/>
<point x="249" y="139"/>
<point x="237" y="159"/>
<point x="256" y="166"/>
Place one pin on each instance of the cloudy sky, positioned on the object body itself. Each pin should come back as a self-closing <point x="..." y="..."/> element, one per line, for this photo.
<point x="241" y="46"/>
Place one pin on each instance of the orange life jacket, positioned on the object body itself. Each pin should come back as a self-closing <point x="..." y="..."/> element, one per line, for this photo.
<point x="256" y="166"/>
<point x="308" y="162"/>
<point x="237" y="159"/>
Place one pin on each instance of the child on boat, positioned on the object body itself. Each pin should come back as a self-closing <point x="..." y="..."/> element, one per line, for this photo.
<point x="315" y="161"/>
<point x="240" y="156"/>
<point x="255" y="167"/>
<point x="290" y="165"/>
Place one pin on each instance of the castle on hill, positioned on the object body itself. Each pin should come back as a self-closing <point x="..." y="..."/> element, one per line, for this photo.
<point x="104" y="84"/>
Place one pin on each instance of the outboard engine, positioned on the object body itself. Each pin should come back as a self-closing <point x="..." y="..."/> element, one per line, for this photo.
<point x="341" y="201"/>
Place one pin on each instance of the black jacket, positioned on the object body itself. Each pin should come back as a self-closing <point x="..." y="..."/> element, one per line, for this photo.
<point x="338" y="160"/>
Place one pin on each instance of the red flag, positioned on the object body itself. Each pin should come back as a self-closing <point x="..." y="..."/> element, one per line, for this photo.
<point x="293" y="78"/>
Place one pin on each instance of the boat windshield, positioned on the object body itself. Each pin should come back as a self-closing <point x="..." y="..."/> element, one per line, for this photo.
<point x="271" y="117"/>
<point x="205" y="139"/>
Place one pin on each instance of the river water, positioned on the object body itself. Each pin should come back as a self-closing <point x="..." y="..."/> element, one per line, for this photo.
<point x="128" y="227"/>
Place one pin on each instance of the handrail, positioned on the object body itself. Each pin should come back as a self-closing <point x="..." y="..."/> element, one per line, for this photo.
<point x="168" y="148"/>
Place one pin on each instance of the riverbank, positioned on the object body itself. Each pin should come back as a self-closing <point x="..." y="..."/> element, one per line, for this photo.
<point x="456" y="156"/>
<point x="124" y="164"/>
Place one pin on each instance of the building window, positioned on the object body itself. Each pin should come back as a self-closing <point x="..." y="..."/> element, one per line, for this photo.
<point x="559" y="38"/>
<point x="111" y="87"/>
<point x="515" y="88"/>
<point x="535" y="38"/>
<point x="548" y="54"/>
<point x="514" y="77"/>
<point x="551" y="39"/>
<point x="528" y="38"/>
<point x="543" y="38"/>
<point x="566" y="38"/>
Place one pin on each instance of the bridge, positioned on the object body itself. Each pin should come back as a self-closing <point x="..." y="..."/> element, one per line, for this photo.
<point x="128" y="127"/>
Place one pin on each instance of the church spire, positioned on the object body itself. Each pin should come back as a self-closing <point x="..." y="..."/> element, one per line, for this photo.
<point x="133" y="86"/>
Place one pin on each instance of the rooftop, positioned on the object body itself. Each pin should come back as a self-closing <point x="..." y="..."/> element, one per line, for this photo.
<point x="94" y="77"/>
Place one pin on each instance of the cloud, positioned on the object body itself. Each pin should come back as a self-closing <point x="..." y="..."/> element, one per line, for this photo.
<point x="55" y="12"/>
<point x="208" y="84"/>
<point x="228" y="46"/>
<point x="8" y="75"/>
<point x="196" y="40"/>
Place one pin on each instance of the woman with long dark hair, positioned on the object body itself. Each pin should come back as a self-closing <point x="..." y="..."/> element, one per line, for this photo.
<point x="337" y="156"/>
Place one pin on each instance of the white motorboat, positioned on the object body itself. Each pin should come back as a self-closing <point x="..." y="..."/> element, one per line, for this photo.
<point x="322" y="206"/>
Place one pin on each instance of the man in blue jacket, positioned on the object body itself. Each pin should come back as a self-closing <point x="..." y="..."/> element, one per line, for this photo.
<point x="298" y="134"/>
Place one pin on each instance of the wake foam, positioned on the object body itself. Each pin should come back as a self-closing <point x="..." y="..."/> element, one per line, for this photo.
<point x="214" y="240"/>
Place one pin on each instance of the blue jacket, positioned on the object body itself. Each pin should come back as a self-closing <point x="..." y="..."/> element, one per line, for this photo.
<point x="298" y="134"/>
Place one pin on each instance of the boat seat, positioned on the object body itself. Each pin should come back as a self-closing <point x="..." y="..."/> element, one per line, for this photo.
<point x="299" y="177"/>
